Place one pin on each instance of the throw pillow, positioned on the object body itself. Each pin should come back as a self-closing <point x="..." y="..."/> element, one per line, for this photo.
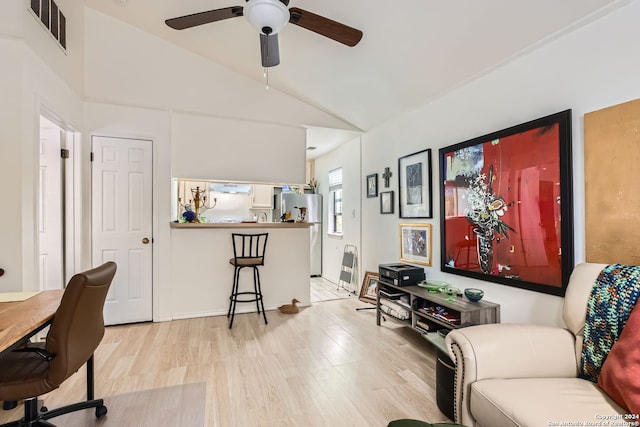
<point x="620" y="374"/>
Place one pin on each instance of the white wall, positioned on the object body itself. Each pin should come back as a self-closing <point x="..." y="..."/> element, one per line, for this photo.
<point x="347" y="157"/>
<point x="37" y="74"/>
<point x="586" y="70"/>
<point x="128" y="66"/>
<point x="28" y="85"/>
<point x="205" y="147"/>
<point x="589" y="69"/>
<point x="10" y="153"/>
<point x="67" y="65"/>
<point x="44" y="90"/>
<point x="202" y="276"/>
<point x="153" y="96"/>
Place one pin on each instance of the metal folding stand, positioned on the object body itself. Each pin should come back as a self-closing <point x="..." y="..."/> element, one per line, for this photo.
<point x="347" y="269"/>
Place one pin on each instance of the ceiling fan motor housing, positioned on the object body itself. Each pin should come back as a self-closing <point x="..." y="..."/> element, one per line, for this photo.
<point x="267" y="16"/>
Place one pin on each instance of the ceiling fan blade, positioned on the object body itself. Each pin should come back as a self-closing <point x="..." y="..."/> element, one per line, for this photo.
<point x="193" y="20"/>
<point x="325" y="26"/>
<point x="269" y="50"/>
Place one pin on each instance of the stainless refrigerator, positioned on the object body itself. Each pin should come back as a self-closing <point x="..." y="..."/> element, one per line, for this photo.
<point x="292" y="202"/>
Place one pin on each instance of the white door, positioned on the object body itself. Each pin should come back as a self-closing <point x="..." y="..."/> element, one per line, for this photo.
<point x="50" y="207"/>
<point x="122" y="224"/>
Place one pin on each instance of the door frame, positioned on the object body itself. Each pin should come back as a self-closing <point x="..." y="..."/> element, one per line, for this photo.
<point x="154" y="251"/>
<point x="72" y="203"/>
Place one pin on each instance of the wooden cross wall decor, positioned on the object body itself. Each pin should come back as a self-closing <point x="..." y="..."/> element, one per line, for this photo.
<point x="386" y="175"/>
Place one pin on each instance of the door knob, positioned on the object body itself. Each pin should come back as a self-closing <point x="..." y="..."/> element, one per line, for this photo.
<point x="145" y="240"/>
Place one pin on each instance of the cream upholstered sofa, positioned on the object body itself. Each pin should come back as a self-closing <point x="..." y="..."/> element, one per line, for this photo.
<point x="526" y="375"/>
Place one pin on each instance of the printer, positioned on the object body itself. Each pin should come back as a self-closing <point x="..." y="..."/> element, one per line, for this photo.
<point x="400" y="274"/>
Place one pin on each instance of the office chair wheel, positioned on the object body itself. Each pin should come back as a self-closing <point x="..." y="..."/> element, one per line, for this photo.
<point x="44" y="409"/>
<point x="9" y="404"/>
<point x="101" y="411"/>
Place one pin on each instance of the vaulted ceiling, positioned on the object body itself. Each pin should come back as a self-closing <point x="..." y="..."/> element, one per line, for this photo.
<point x="411" y="52"/>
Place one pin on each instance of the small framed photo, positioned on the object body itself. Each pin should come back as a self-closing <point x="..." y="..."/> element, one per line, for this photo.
<point x="415" y="243"/>
<point x="386" y="202"/>
<point x="369" y="289"/>
<point x="372" y="185"/>
<point x="414" y="185"/>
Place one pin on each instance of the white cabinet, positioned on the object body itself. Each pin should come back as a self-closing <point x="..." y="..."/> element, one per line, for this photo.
<point x="262" y="196"/>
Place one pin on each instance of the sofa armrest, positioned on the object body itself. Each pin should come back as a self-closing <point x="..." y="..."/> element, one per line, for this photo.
<point x="507" y="351"/>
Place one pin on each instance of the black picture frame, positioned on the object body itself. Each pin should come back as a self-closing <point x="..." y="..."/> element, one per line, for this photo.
<point x="414" y="185"/>
<point x="372" y="185"/>
<point x="506" y="207"/>
<point x="386" y="202"/>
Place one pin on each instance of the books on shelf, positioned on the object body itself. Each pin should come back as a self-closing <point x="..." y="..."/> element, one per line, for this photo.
<point x="440" y="313"/>
<point x="424" y="326"/>
<point x="447" y="317"/>
<point x="391" y="294"/>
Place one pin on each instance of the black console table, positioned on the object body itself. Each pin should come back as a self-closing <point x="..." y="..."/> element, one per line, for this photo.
<point x="427" y="313"/>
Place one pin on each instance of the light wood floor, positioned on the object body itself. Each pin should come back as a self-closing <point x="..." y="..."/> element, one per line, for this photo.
<point x="328" y="365"/>
<point x="324" y="290"/>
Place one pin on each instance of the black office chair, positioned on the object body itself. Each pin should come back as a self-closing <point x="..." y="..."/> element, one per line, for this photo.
<point x="76" y="330"/>
<point x="248" y="251"/>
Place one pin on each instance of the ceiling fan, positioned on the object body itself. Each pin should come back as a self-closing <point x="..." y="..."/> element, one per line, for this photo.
<point x="269" y="17"/>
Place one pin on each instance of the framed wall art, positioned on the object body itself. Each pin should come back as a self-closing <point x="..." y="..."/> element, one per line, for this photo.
<point x="386" y="202"/>
<point x="415" y="185"/>
<point x="611" y="173"/>
<point x="415" y="243"/>
<point x="372" y="185"/>
<point x="369" y="289"/>
<point x="506" y="209"/>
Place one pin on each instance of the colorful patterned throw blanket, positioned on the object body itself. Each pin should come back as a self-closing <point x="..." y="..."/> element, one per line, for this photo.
<point x="613" y="296"/>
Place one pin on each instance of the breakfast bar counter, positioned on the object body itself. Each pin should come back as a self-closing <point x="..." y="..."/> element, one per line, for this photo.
<point x="201" y="275"/>
<point x="241" y="225"/>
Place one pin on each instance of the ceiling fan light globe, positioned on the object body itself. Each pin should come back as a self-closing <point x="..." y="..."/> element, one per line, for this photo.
<point x="271" y="14"/>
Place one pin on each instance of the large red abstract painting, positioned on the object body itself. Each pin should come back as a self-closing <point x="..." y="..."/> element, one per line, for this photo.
<point x="506" y="208"/>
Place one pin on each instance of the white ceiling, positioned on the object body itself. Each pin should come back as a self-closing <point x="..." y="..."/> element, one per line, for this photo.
<point x="412" y="51"/>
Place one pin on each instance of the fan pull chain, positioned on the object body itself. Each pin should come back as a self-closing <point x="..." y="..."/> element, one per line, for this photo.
<point x="266" y="48"/>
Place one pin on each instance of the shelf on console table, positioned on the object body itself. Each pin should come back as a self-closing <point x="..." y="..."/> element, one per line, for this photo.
<point x="424" y="316"/>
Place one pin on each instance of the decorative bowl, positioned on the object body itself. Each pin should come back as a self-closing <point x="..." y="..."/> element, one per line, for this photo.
<point x="474" y="294"/>
<point x="433" y="285"/>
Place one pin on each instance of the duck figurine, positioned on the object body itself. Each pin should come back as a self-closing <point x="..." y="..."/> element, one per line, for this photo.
<point x="289" y="308"/>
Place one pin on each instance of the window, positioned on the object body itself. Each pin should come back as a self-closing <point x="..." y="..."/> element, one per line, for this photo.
<point x="335" y="205"/>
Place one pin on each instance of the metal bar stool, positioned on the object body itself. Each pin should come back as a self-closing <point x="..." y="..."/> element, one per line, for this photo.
<point x="248" y="251"/>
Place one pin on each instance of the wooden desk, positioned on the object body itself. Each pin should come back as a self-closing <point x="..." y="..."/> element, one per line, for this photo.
<point x="22" y="319"/>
